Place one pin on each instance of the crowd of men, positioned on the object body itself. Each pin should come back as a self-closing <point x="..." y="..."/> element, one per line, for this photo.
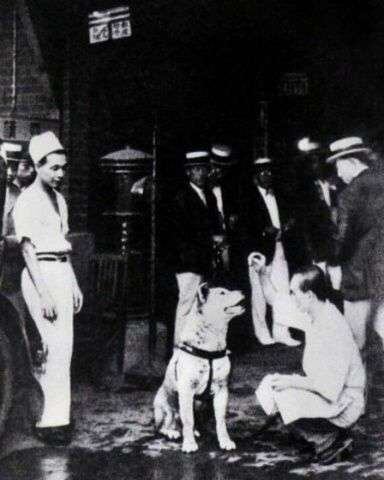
<point x="324" y="232"/>
<point x="310" y="257"/>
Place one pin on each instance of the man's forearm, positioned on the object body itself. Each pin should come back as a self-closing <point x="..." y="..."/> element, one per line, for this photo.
<point x="74" y="279"/>
<point x="302" y="382"/>
<point x="266" y="284"/>
<point x="32" y="264"/>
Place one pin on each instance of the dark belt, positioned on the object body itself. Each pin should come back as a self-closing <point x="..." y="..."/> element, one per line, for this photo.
<point x="52" y="258"/>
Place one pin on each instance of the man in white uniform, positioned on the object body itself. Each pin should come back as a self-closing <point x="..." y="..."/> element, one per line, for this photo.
<point x="320" y="405"/>
<point x="49" y="285"/>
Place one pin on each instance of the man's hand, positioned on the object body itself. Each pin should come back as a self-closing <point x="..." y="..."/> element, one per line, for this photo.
<point x="218" y="239"/>
<point x="282" y="382"/>
<point x="48" y="307"/>
<point x="233" y="220"/>
<point x="77" y="298"/>
<point x="257" y="261"/>
<point x="271" y="232"/>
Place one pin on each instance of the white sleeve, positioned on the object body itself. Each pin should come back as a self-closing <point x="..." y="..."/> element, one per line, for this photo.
<point x="64" y="215"/>
<point x="26" y="221"/>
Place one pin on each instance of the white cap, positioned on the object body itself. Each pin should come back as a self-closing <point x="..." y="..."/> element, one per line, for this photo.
<point x="42" y="145"/>
<point x="346" y="146"/>
<point x="305" y="145"/>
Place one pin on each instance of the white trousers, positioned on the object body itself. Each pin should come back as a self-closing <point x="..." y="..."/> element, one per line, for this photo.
<point x="57" y="339"/>
<point x="359" y="313"/>
<point x="188" y="283"/>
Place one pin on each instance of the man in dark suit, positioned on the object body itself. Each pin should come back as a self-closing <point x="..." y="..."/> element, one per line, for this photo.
<point x="319" y="189"/>
<point x="360" y="236"/>
<point x="197" y="229"/>
<point x="269" y="224"/>
<point x="225" y="190"/>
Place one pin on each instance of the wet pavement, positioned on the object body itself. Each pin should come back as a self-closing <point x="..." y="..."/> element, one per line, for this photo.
<point x="115" y="437"/>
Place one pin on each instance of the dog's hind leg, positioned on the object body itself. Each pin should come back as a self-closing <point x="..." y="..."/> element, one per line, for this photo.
<point x="220" y="402"/>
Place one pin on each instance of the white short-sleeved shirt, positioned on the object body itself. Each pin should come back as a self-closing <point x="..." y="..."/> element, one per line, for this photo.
<point x="36" y="218"/>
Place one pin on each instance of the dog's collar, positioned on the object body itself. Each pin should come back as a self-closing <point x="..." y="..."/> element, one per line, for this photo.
<point x="198" y="352"/>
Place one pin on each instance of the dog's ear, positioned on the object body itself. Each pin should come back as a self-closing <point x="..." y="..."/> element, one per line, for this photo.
<point x="202" y="294"/>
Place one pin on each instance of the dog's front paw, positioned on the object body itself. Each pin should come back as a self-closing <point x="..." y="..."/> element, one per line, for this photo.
<point x="189" y="446"/>
<point x="171" y="434"/>
<point x="227" y="444"/>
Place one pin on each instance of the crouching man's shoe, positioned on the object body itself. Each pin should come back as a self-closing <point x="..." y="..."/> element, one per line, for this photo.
<point x="55" y="436"/>
<point x="337" y="452"/>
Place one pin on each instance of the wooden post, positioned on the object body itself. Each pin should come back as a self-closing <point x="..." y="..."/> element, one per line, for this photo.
<point x="152" y="319"/>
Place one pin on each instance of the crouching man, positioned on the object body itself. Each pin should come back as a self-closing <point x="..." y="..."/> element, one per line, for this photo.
<point x="321" y="404"/>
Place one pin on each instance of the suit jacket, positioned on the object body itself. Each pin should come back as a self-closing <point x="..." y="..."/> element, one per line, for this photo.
<point x="193" y="226"/>
<point x="320" y="226"/>
<point x="255" y="223"/>
<point x="360" y="236"/>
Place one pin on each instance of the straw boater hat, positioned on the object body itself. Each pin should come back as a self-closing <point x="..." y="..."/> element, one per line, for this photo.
<point x="345" y="147"/>
<point x="42" y="145"/>
<point x="196" y="158"/>
<point x="261" y="162"/>
<point x="221" y="156"/>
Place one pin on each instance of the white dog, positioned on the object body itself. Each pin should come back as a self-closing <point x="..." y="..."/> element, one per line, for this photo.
<point x="199" y="364"/>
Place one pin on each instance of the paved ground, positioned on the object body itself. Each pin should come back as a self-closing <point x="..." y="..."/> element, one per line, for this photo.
<point x="115" y="437"/>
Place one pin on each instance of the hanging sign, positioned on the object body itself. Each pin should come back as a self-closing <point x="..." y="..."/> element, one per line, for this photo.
<point x="111" y="24"/>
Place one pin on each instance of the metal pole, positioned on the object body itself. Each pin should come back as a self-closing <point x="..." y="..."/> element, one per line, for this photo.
<point x="152" y="318"/>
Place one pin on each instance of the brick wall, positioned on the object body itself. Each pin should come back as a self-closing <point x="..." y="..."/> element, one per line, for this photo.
<point x="34" y="98"/>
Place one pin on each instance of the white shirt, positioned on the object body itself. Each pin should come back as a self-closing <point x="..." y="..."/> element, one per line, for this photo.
<point x="36" y="218"/>
<point x="331" y="361"/>
<point x="219" y="199"/>
<point x="200" y="192"/>
<point x="271" y="204"/>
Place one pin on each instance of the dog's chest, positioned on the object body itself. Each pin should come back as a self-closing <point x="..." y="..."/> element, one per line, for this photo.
<point x="198" y="373"/>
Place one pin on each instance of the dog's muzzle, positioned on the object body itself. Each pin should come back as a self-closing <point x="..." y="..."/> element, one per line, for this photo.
<point x="237" y="309"/>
